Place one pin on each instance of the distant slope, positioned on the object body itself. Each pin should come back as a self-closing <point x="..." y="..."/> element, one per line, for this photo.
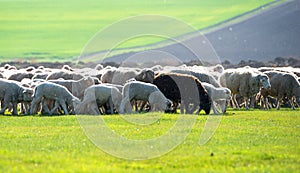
<point x="271" y="33"/>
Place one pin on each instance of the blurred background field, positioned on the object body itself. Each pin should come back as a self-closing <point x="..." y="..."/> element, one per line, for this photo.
<point x="53" y="30"/>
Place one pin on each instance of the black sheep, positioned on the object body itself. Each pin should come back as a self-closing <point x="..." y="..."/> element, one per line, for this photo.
<point x="184" y="89"/>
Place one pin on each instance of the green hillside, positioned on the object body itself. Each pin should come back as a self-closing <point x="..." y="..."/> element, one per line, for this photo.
<point x="55" y="30"/>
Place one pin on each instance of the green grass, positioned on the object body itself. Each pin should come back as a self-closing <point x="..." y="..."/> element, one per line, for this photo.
<point x="245" y="141"/>
<point x="55" y="30"/>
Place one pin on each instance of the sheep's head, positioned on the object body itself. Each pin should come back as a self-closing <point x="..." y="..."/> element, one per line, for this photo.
<point x="76" y="102"/>
<point x="169" y="104"/>
<point x="263" y="81"/>
<point x="26" y="95"/>
<point x="227" y="93"/>
<point x="146" y="75"/>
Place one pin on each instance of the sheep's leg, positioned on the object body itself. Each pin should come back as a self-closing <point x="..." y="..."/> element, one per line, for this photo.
<point x="278" y="103"/>
<point x="56" y="106"/>
<point x="192" y="110"/>
<point x="34" y="103"/>
<point x="235" y="101"/>
<point x="142" y="105"/>
<point x="125" y="106"/>
<point x="25" y="106"/>
<point x="45" y="107"/>
<point x="111" y="105"/>
<point x="5" y="105"/>
<point x="292" y="103"/>
<point x="182" y="107"/>
<point x="64" y="106"/>
<point x="247" y="103"/>
<point x="15" y="108"/>
<point x="252" y="101"/>
<point x="213" y="105"/>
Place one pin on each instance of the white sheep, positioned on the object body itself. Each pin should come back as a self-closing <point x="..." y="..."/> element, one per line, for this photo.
<point x="58" y="93"/>
<point x="12" y="92"/>
<point x="219" y="96"/>
<point x="97" y="96"/>
<point x="76" y="87"/>
<point x="122" y="74"/>
<point x="136" y="90"/>
<point x="244" y="81"/>
<point x="284" y="85"/>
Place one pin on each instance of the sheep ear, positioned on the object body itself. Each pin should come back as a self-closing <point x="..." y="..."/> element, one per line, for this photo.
<point x="144" y="75"/>
<point x="258" y="77"/>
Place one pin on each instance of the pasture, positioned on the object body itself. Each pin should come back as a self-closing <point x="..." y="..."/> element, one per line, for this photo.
<point x="58" y="30"/>
<point x="245" y="141"/>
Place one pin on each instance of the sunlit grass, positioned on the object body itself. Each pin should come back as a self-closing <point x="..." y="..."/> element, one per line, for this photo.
<point x="245" y="141"/>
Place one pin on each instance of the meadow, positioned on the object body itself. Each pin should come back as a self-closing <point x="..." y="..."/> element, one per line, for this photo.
<point x="54" y="30"/>
<point x="245" y="141"/>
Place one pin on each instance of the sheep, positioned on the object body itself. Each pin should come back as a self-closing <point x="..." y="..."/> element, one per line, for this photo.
<point x="222" y="95"/>
<point x="64" y="74"/>
<point x="42" y="75"/>
<point x="12" y="92"/>
<point x="76" y="87"/>
<point x="184" y="89"/>
<point x="58" y="93"/>
<point x="201" y="75"/>
<point x="18" y="76"/>
<point x="244" y="81"/>
<point x="284" y="85"/>
<point x="137" y="90"/>
<point x="99" y="95"/>
<point x="122" y="74"/>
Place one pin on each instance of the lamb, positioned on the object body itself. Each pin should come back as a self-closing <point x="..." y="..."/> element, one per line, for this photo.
<point x="222" y="95"/>
<point x="184" y="89"/>
<point x="244" y="81"/>
<point x="137" y="90"/>
<point x="12" y="92"/>
<point x="284" y="85"/>
<point x="58" y="93"/>
<point x="99" y="95"/>
<point x="122" y="74"/>
<point x="76" y="87"/>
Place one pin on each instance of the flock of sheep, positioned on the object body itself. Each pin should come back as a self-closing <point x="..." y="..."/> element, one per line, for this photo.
<point x="111" y="90"/>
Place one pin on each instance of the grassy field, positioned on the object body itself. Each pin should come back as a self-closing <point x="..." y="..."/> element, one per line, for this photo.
<point x="54" y="30"/>
<point x="246" y="141"/>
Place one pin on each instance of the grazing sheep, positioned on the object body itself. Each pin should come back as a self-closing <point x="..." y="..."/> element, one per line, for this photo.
<point x="42" y="75"/>
<point x="64" y="74"/>
<point x="136" y="90"/>
<point x="58" y="93"/>
<point x="100" y="95"/>
<point x="12" y="92"/>
<point x="218" y="95"/>
<point x="201" y="75"/>
<point x="184" y="89"/>
<point x="122" y="74"/>
<point x="19" y="75"/>
<point x="76" y="87"/>
<point x="284" y="85"/>
<point x="244" y="81"/>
